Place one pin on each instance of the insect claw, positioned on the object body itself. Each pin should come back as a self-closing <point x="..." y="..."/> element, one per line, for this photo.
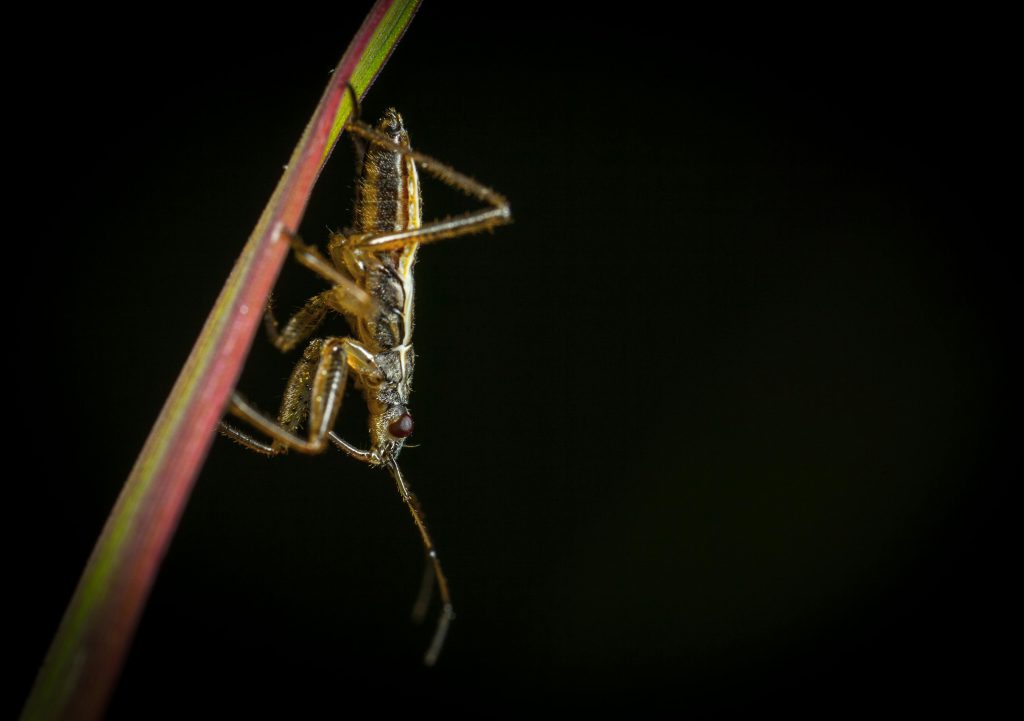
<point x="356" y="110"/>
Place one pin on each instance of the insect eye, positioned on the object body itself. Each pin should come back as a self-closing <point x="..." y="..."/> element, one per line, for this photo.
<point x="401" y="427"/>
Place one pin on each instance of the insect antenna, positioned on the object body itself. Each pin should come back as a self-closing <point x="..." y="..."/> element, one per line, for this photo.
<point x="422" y="605"/>
<point x="447" y="611"/>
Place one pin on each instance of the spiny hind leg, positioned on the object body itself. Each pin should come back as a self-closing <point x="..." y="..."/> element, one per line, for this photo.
<point x="314" y="389"/>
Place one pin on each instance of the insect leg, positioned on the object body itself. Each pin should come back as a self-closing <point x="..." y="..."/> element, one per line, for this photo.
<point x="447" y="611"/>
<point x="351" y="451"/>
<point x="316" y="385"/>
<point x="299" y="327"/>
<point x="472" y="222"/>
<point x="346" y="293"/>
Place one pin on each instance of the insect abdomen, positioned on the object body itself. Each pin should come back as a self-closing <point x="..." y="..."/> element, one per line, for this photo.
<point x="387" y="194"/>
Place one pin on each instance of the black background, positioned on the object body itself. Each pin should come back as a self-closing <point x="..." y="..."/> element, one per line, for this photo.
<point x="718" y="423"/>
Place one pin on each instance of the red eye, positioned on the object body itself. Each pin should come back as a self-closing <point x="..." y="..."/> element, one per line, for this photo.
<point x="401" y="427"/>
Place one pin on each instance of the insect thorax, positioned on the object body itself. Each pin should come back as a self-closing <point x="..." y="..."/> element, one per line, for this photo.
<point x="392" y="325"/>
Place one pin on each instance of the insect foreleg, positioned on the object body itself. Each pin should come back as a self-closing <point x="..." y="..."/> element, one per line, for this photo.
<point x="352" y="451"/>
<point x="316" y="385"/>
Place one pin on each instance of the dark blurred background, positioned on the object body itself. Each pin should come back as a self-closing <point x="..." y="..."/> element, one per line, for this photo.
<point x="720" y="422"/>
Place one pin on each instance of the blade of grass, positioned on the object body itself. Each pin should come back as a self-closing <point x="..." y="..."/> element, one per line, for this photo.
<point x="86" y="655"/>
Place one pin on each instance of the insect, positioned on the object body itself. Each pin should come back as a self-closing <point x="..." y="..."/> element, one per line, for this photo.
<point x="370" y="269"/>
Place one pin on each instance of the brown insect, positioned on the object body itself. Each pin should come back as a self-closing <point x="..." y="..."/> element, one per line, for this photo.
<point x="371" y="275"/>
